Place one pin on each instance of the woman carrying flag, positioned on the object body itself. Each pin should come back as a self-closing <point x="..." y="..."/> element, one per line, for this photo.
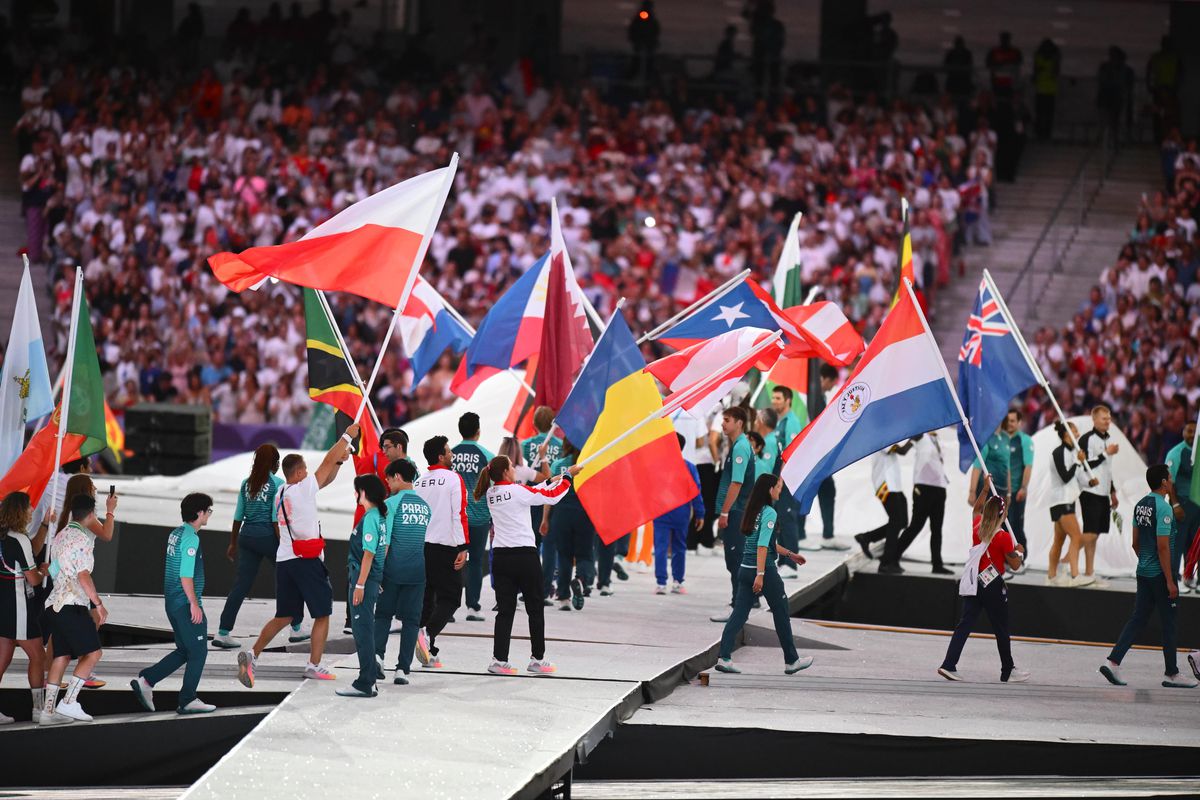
<point x="758" y="574"/>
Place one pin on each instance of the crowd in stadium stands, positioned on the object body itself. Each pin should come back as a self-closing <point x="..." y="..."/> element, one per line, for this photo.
<point x="1132" y="342"/>
<point x="139" y="171"/>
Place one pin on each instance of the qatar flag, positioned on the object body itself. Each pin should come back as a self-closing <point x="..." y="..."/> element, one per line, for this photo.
<point x="370" y="249"/>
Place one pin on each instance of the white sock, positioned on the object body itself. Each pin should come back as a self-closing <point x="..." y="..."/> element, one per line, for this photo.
<point x="51" y="695"/>
<point x="39" y="697"/>
<point x="73" y="689"/>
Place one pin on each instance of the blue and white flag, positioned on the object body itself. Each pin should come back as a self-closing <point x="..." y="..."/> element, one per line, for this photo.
<point x="992" y="370"/>
<point x="25" y="380"/>
<point x="428" y="329"/>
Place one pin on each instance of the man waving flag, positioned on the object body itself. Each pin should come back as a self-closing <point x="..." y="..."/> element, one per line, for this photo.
<point x="898" y="389"/>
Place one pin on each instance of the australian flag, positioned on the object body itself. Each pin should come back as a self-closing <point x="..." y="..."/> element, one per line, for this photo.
<point x="991" y="371"/>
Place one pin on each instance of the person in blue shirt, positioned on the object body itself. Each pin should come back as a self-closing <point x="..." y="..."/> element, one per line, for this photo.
<point x="183" y="591"/>
<point x="470" y="459"/>
<point x="737" y="478"/>
<point x="402" y="592"/>
<point x="574" y="535"/>
<point x="253" y="539"/>
<point x="1179" y="461"/>
<point x="758" y="574"/>
<point x="364" y="574"/>
<point x="1020" y="467"/>
<point x="539" y="452"/>
<point x="1154" y="531"/>
<point x="671" y="532"/>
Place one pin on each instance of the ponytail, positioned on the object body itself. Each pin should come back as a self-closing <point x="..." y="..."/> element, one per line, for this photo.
<point x="493" y="474"/>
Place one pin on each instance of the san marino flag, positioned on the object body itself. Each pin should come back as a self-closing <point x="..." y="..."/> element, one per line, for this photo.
<point x="25" y="380"/>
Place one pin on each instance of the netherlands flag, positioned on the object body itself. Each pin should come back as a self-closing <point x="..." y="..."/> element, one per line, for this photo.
<point x="899" y="389"/>
<point x="427" y="328"/>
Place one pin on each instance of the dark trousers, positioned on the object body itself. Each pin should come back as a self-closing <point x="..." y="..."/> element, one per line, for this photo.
<point x="993" y="600"/>
<point x="517" y="570"/>
<point x="1151" y="594"/>
<point x="402" y="601"/>
<point x="776" y="598"/>
<point x="896" y="507"/>
<point x="1016" y="521"/>
<point x="255" y="544"/>
<point x="734" y="540"/>
<point x="477" y="547"/>
<point x="191" y="651"/>
<point x="1043" y="115"/>
<point x="708" y="491"/>
<point x="673" y="539"/>
<point x="826" y="496"/>
<point x="605" y="554"/>
<point x="576" y="540"/>
<point x="362" y="625"/>
<point x="929" y="504"/>
<point x="789" y="523"/>
<point x="443" y="590"/>
<point x="1187" y="534"/>
<point x="549" y="547"/>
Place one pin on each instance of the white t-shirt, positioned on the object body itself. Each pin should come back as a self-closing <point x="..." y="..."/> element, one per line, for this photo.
<point x="300" y="500"/>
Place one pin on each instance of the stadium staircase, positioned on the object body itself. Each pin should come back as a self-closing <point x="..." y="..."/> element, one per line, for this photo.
<point x="12" y="228"/>
<point x="1054" y="230"/>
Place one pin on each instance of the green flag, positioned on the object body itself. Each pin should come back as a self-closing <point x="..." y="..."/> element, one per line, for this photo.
<point x="786" y="284"/>
<point x="85" y="416"/>
<point x="1194" y="489"/>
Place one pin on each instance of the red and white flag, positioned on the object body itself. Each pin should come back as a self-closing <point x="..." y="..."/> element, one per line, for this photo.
<point x="715" y="364"/>
<point x="369" y="249"/>
<point x="825" y="333"/>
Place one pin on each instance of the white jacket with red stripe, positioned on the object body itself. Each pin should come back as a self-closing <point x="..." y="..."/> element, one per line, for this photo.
<point x="446" y="495"/>
<point x="509" y="505"/>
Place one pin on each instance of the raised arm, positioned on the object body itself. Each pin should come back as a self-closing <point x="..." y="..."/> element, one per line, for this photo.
<point x="333" y="460"/>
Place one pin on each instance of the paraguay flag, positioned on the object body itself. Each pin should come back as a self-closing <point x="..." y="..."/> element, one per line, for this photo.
<point x="898" y="389"/>
<point x="427" y="328"/>
<point x="992" y="369"/>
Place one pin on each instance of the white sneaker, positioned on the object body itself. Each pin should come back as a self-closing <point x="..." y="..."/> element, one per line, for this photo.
<point x="143" y="691"/>
<point x="949" y="674"/>
<point x="1184" y="588"/>
<point x="660" y="589"/>
<point x="317" y="672"/>
<point x="37" y="715"/>
<point x="722" y="616"/>
<point x="296" y="637"/>
<point x="1193" y="660"/>
<point x="73" y="710"/>
<point x="197" y="706"/>
<point x="809" y="546"/>
<point x="726" y="665"/>
<point x="422" y="648"/>
<point x="564" y="605"/>
<point x="1178" y="681"/>
<point x="542" y="667"/>
<point x="226" y="642"/>
<point x="502" y="668"/>
<point x="1082" y="580"/>
<point x="834" y="544"/>
<point x="246" y="664"/>
<point x="1058" y="580"/>
<point x="803" y="662"/>
<point x="6" y="720"/>
<point x="1018" y="675"/>
<point x="607" y="591"/>
<point x="54" y="719"/>
<point x="678" y="588"/>
<point x="1112" y="673"/>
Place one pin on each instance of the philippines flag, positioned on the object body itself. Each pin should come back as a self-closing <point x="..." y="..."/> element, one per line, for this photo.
<point x="427" y="328"/>
<point x="746" y="305"/>
<point x="898" y="389"/>
<point x="716" y="362"/>
<point x="370" y="249"/>
<point x="992" y="370"/>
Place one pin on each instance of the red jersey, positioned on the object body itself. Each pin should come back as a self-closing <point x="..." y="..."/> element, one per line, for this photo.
<point x="1001" y="545"/>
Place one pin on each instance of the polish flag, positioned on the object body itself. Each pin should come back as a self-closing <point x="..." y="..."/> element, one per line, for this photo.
<point x="370" y="249"/>
<point x="714" y="363"/>
<point x="825" y="333"/>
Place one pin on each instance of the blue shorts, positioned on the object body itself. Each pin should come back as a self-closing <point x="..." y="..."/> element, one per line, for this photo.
<point x="301" y="582"/>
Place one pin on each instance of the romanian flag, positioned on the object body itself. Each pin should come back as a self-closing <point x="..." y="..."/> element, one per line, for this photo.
<point x="642" y="476"/>
<point x="331" y="381"/>
<point x="86" y="432"/>
<point x="906" y="261"/>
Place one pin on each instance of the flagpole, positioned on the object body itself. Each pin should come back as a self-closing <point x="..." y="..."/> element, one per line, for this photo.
<point x="419" y="259"/>
<point x="471" y="330"/>
<point x="684" y="396"/>
<point x="337" y="332"/>
<point x="1033" y="365"/>
<point x="962" y="415"/>
<point x="65" y="407"/>
<point x="715" y="294"/>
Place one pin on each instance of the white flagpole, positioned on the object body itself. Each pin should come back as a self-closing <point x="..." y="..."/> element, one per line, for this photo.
<point x="65" y="408"/>
<point x="419" y="259"/>
<point x="962" y="415"/>
<point x="471" y="330"/>
<point x="337" y="331"/>
<point x="1033" y="365"/>
<point x="684" y="396"/>
<point x="720" y="291"/>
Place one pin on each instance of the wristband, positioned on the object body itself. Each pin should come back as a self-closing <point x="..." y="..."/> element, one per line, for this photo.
<point x="359" y="586"/>
<point x="760" y="574"/>
<point x="347" y="438"/>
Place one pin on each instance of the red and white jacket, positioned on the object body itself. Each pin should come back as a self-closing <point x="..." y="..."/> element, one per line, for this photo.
<point x="446" y="494"/>
<point x="509" y="505"/>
